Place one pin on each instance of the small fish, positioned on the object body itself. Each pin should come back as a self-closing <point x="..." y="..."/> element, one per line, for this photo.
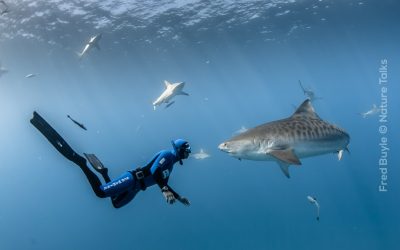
<point x="2" y="70"/>
<point x="373" y="111"/>
<point x="30" y="75"/>
<point x="77" y="123"/>
<point x="313" y="200"/>
<point x="169" y="104"/>
<point x="201" y="155"/>
<point x="309" y="93"/>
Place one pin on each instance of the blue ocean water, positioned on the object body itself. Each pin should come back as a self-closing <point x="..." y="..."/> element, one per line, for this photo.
<point x="241" y="61"/>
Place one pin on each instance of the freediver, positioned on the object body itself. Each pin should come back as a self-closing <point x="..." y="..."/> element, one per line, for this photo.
<point x="123" y="189"/>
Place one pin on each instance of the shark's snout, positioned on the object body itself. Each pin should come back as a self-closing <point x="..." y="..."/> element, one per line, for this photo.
<point x="223" y="147"/>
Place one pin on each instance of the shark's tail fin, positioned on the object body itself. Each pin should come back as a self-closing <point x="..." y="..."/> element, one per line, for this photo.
<point x="79" y="55"/>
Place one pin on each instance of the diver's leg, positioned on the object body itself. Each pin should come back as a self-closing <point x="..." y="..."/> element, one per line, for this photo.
<point x="122" y="189"/>
<point x="124" y="198"/>
<point x="62" y="146"/>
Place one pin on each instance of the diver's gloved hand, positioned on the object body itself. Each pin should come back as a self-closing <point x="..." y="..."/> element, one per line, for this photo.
<point x="168" y="195"/>
<point x="184" y="201"/>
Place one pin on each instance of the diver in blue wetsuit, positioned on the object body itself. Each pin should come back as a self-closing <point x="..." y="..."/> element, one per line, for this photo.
<point x="123" y="189"/>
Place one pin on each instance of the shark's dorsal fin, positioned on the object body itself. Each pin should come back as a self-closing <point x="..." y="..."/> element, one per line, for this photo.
<point x="306" y="109"/>
<point x="167" y="83"/>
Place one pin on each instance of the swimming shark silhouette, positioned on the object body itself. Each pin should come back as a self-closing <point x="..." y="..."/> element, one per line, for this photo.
<point x="304" y="134"/>
<point x="373" y="111"/>
<point x="93" y="42"/>
<point x="171" y="90"/>
<point x="309" y="93"/>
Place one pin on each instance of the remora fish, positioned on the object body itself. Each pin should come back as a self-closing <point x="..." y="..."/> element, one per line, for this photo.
<point x="309" y="93"/>
<point x="77" y="123"/>
<point x="314" y="201"/>
<point x="285" y="141"/>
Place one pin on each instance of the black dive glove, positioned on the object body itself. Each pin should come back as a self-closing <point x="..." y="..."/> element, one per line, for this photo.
<point x="168" y="195"/>
<point x="171" y="197"/>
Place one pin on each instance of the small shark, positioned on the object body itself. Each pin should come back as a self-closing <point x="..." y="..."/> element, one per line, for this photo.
<point x="201" y="155"/>
<point x="2" y="70"/>
<point x="93" y="42"/>
<point x="171" y="90"/>
<point x="373" y="111"/>
<point x="5" y="8"/>
<point x="304" y="134"/>
<point x="77" y="123"/>
<point x="309" y="93"/>
<point x="313" y="200"/>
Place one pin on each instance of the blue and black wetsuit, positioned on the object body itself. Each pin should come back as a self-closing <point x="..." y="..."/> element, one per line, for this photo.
<point x="123" y="189"/>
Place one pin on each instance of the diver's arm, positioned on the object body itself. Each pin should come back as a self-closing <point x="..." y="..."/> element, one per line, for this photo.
<point x="169" y="194"/>
<point x="182" y="199"/>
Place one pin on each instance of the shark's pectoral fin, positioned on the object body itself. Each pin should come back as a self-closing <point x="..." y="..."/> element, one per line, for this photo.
<point x="97" y="46"/>
<point x="285" y="155"/>
<point x="340" y="154"/>
<point x="284" y="167"/>
<point x="182" y="93"/>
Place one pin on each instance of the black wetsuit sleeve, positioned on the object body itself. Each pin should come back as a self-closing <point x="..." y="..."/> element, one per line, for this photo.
<point x="158" y="178"/>
<point x="163" y="182"/>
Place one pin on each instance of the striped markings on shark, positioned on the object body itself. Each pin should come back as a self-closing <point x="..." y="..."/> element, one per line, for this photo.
<point x="286" y="141"/>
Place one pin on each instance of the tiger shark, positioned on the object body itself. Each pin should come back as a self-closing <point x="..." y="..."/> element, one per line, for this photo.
<point x="171" y="90"/>
<point x="303" y="134"/>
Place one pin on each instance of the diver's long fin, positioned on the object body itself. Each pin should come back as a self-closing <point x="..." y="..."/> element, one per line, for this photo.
<point x="56" y="140"/>
<point x="285" y="155"/>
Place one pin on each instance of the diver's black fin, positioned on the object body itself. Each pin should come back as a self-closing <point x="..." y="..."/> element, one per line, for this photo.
<point x="95" y="162"/>
<point x="58" y="142"/>
<point x="98" y="165"/>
